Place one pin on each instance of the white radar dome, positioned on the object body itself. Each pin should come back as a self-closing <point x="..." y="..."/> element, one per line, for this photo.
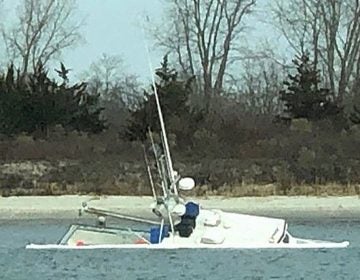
<point x="186" y="184"/>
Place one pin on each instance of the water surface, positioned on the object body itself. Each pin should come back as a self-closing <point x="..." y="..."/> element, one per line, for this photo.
<point x="17" y="263"/>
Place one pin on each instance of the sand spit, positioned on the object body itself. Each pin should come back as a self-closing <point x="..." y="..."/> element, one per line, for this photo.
<point x="66" y="207"/>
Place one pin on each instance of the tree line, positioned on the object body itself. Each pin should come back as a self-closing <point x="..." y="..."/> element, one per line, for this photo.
<point x="203" y="45"/>
<point x="220" y="98"/>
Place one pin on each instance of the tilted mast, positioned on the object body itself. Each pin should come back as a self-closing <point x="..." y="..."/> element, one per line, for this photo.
<point x="168" y="162"/>
<point x="168" y="180"/>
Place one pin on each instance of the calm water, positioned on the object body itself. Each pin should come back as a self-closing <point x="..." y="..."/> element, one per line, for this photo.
<point x="18" y="263"/>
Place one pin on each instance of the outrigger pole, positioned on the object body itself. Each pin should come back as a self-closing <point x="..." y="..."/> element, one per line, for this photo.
<point x="169" y="188"/>
<point x="114" y="214"/>
<point x="158" y="164"/>
<point x="149" y="174"/>
<point x="169" y="165"/>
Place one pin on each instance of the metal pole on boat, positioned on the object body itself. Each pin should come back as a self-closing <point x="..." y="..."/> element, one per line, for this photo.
<point x="108" y="213"/>
<point x="161" y="230"/>
<point x="161" y="120"/>
<point x="149" y="174"/>
<point x="168" y="165"/>
<point x="157" y="162"/>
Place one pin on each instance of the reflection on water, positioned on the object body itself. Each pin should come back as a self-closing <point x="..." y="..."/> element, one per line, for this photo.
<point x="18" y="263"/>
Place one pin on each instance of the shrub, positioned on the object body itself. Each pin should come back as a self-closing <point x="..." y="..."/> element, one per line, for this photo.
<point x="32" y="103"/>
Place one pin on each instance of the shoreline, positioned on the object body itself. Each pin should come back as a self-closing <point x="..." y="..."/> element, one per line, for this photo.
<point x="67" y="207"/>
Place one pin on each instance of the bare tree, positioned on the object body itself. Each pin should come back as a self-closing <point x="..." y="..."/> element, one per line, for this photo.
<point x="203" y="36"/>
<point x="104" y="74"/>
<point x="330" y="30"/>
<point x="44" y="28"/>
<point x="258" y="87"/>
<point x="107" y="77"/>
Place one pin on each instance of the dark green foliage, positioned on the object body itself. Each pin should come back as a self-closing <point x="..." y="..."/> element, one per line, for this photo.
<point x="33" y="103"/>
<point x="303" y="98"/>
<point x="355" y="115"/>
<point x="173" y="95"/>
<point x="228" y="148"/>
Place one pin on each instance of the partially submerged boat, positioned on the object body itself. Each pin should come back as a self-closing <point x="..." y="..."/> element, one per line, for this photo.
<point x="196" y="229"/>
<point x="179" y="223"/>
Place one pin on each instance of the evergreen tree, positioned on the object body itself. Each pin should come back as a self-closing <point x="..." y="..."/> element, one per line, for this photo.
<point x="303" y="98"/>
<point x="173" y="95"/>
<point x="34" y="103"/>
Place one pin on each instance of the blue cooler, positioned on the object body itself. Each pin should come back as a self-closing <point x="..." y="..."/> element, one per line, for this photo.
<point x="155" y="234"/>
<point x="192" y="210"/>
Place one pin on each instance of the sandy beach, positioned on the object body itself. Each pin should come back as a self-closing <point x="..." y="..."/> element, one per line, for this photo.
<point x="66" y="207"/>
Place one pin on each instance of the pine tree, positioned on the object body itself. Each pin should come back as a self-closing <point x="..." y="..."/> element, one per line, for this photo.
<point x="34" y="103"/>
<point x="173" y="95"/>
<point x="303" y="98"/>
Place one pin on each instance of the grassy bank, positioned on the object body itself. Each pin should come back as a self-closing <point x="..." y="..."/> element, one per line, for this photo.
<point x="295" y="164"/>
<point x="111" y="177"/>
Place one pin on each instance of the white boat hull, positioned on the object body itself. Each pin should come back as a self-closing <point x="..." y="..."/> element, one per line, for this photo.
<point x="214" y="230"/>
<point x="310" y="245"/>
